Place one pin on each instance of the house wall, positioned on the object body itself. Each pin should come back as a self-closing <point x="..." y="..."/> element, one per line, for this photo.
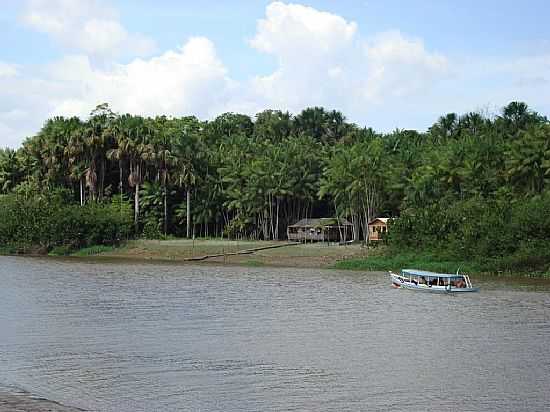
<point x="331" y="234"/>
<point x="376" y="230"/>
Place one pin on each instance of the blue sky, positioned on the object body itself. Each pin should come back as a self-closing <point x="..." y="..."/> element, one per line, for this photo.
<point x="385" y="64"/>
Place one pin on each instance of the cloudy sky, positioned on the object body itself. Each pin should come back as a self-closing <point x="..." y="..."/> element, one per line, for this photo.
<point x="386" y="64"/>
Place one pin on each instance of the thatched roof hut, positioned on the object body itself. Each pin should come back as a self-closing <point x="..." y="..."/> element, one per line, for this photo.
<point x="321" y="230"/>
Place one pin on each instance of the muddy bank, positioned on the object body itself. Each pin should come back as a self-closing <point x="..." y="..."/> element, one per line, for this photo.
<point x="17" y="400"/>
<point x="246" y="253"/>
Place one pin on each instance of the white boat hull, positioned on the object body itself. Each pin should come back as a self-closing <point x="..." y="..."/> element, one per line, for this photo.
<point x="400" y="282"/>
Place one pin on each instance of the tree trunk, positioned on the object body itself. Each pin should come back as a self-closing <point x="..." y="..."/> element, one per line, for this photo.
<point x="102" y="182"/>
<point x="188" y="213"/>
<point x="165" y="214"/>
<point x="136" y="208"/>
<point x="277" y="220"/>
<point x="338" y="221"/>
<point x="165" y="210"/>
<point x="81" y="192"/>
<point x="120" y="185"/>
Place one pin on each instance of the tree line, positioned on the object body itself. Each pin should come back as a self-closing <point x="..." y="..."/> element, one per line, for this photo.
<point x="239" y="176"/>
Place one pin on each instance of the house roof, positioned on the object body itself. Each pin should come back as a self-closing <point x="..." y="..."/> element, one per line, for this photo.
<point x="382" y="219"/>
<point x="320" y="222"/>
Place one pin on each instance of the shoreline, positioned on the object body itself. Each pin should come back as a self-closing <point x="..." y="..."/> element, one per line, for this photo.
<point x="16" y="399"/>
<point x="251" y="264"/>
<point x="218" y="252"/>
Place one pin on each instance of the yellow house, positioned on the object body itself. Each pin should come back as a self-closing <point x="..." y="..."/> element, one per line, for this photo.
<point x="377" y="228"/>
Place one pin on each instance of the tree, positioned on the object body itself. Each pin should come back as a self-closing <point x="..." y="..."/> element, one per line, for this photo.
<point x="323" y="126"/>
<point x="273" y="125"/>
<point x="187" y="150"/>
<point x="10" y="171"/>
<point x="528" y="160"/>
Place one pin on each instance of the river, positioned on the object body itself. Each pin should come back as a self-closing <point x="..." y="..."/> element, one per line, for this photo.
<point x="148" y="337"/>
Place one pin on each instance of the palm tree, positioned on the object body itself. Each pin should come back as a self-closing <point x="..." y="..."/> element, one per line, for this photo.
<point x="98" y="139"/>
<point x="140" y="153"/>
<point x="120" y="129"/>
<point x="528" y="160"/>
<point x="10" y="172"/>
<point x="445" y="128"/>
<point x="273" y="125"/>
<point x="185" y="150"/>
<point x="165" y="133"/>
<point x="75" y="153"/>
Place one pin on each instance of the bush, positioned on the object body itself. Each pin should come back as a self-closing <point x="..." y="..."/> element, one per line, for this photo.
<point x="49" y="222"/>
<point x="512" y="236"/>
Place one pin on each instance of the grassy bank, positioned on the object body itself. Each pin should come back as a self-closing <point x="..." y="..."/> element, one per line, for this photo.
<point x="246" y="253"/>
<point x="319" y="255"/>
<point x="383" y="261"/>
<point x="408" y="260"/>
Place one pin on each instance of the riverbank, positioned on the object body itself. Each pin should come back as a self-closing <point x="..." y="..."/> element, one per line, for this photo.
<point x="311" y="255"/>
<point x="17" y="400"/>
<point x="231" y="252"/>
<point x="509" y="266"/>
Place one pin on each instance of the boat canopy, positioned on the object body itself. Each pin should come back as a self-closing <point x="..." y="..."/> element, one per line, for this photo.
<point x="425" y="273"/>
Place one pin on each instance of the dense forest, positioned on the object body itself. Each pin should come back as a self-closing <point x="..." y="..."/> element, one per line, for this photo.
<point x="472" y="184"/>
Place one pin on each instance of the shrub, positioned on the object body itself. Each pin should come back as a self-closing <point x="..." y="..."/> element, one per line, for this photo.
<point x="511" y="235"/>
<point x="49" y="222"/>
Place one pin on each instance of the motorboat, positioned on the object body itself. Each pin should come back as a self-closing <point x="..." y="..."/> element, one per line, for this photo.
<point x="425" y="281"/>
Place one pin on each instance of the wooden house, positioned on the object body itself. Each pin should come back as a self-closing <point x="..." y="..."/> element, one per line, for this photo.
<point x="377" y="228"/>
<point x="321" y="230"/>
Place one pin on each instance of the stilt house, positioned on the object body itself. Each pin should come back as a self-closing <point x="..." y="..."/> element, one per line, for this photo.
<point x="321" y="230"/>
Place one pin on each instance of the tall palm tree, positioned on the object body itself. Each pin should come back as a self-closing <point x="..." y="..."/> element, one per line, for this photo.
<point x="165" y="133"/>
<point x="10" y="172"/>
<point x="185" y="176"/>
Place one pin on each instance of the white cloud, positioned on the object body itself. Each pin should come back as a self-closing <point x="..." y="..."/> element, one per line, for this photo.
<point x="85" y="25"/>
<point x="323" y="60"/>
<point x="12" y="123"/>
<point x="8" y="70"/>
<point x="399" y="66"/>
<point x="189" y="80"/>
<point x="315" y="32"/>
<point x="387" y="80"/>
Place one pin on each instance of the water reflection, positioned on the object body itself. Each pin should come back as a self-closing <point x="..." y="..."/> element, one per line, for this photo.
<point x="133" y="337"/>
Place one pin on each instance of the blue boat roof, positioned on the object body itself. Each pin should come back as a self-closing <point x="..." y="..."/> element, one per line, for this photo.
<point x="416" y="272"/>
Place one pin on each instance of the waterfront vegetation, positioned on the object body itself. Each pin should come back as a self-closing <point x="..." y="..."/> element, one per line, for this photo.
<point x="473" y="190"/>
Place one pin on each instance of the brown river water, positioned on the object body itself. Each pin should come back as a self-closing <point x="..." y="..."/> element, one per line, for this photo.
<point x="147" y="337"/>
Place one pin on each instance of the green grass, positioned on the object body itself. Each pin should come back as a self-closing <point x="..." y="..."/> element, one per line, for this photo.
<point x="7" y="250"/>
<point x="408" y="260"/>
<point x="254" y="263"/>
<point x="507" y="266"/>
<point x="93" y="250"/>
<point x="63" y="250"/>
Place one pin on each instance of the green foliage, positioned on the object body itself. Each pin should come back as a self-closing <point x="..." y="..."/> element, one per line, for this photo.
<point x="47" y="222"/>
<point x="93" y="250"/>
<point x="506" y="235"/>
<point x="398" y="261"/>
<point x="63" y="250"/>
<point x="7" y="250"/>
<point x="472" y="187"/>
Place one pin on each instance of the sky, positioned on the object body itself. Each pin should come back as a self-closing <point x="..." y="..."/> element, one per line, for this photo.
<point x="385" y="64"/>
